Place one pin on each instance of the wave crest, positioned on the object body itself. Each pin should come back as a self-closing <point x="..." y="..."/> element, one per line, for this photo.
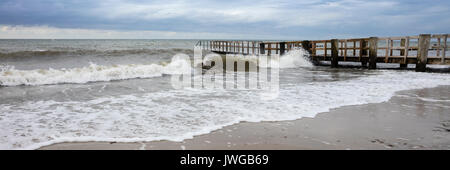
<point x="37" y="53"/>
<point x="9" y="76"/>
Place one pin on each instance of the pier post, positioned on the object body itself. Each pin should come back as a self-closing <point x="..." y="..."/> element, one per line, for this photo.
<point x="306" y="45"/>
<point x="261" y="48"/>
<point x="373" y="47"/>
<point x="422" y="53"/>
<point x="282" y="48"/>
<point x="402" y="53"/>
<point x="363" y="52"/>
<point x="334" y="53"/>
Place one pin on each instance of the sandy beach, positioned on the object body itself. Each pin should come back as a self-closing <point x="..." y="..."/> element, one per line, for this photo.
<point x="413" y="119"/>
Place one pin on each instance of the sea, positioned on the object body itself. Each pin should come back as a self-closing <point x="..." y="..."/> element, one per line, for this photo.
<point x="54" y="91"/>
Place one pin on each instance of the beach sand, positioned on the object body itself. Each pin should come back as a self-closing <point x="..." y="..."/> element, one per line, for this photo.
<point x="414" y="119"/>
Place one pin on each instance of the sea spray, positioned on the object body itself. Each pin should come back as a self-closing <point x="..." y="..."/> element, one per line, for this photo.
<point x="297" y="57"/>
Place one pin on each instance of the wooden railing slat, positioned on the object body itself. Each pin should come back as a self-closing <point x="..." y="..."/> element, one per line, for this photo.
<point x="444" y="49"/>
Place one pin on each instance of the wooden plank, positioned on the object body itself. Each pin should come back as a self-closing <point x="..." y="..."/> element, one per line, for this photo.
<point x="276" y="48"/>
<point x="406" y="49"/>
<point x="387" y="50"/>
<point x="345" y="50"/>
<point x="445" y="48"/>
<point x="258" y="49"/>
<point x="438" y="50"/>
<point x="334" y="53"/>
<point x="253" y="47"/>
<point x="390" y="47"/>
<point x="422" y="53"/>
<point x="282" y="48"/>
<point x="308" y="47"/>
<point x="261" y="48"/>
<point x="373" y="47"/>
<point x="404" y="44"/>
<point x="313" y="50"/>
<point x="363" y="52"/>
<point x="238" y="49"/>
<point x="248" y="47"/>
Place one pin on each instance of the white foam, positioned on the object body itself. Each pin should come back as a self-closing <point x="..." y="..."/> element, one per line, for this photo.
<point x="181" y="114"/>
<point x="292" y="59"/>
<point x="9" y="76"/>
<point x="295" y="58"/>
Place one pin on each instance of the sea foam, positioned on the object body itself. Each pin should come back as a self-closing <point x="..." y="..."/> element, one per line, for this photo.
<point x="177" y="115"/>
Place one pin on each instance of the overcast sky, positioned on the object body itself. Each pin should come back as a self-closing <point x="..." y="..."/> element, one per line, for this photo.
<point x="232" y="19"/>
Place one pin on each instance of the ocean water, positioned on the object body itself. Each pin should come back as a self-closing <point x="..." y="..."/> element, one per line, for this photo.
<point x="55" y="91"/>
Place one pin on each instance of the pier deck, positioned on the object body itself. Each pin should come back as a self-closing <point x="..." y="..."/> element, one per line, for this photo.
<point x="420" y="50"/>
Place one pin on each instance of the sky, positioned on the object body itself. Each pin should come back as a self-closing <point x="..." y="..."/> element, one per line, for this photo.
<point x="220" y="19"/>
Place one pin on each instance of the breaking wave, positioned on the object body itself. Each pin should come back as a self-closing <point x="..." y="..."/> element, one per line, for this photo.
<point x="78" y="52"/>
<point x="292" y="59"/>
<point x="295" y="58"/>
<point x="9" y="76"/>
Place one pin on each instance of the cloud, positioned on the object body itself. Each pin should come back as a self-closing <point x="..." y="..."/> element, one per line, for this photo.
<point x="46" y="32"/>
<point x="296" y="19"/>
<point x="278" y="13"/>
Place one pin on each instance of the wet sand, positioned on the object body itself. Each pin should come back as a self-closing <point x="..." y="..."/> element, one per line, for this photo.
<point x="414" y="119"/>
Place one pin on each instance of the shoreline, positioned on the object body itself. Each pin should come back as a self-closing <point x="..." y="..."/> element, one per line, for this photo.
<point x="411" y="119"/>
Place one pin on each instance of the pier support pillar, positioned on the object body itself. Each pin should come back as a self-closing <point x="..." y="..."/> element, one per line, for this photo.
<point x="306" y="45"/>
<point x="282" y="48"/>
<point x="334" y="53"/>
<point x="262" y="49"/>
<point x="363" y="52"/>
<point x="422" y="53"/>
<point x="373" y="47"/>
<point x="402" y="53"/>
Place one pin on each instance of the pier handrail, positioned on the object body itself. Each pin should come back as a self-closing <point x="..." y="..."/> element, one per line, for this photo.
<point x="424" y="48"/>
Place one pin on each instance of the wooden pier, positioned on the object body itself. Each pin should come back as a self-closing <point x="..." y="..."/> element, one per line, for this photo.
<point x="420" y="50"/>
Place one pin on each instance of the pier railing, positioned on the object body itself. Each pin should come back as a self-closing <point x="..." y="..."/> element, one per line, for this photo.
<point x="420" y="50"/>
<point x="237" y="47"/>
